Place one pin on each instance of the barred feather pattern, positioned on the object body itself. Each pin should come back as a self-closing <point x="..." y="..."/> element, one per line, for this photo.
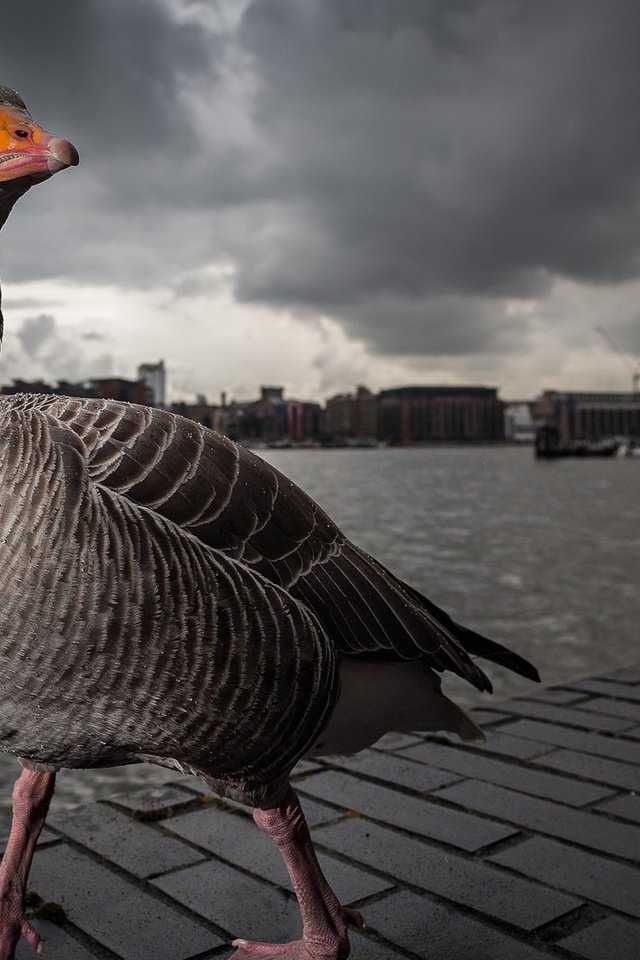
<point x="123" y="636"/>
<point x="236" y="503"/>
<point x="169" y="596"/>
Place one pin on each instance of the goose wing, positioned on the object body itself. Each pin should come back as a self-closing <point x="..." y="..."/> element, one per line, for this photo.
<point x="145" y="642"/>
<point x="237" y="503"/>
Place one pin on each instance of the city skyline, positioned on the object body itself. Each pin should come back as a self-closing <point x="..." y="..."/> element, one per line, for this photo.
<point x="324" y="194"/>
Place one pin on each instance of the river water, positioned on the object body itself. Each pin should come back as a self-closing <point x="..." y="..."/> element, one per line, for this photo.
<point x="543" y="556"/>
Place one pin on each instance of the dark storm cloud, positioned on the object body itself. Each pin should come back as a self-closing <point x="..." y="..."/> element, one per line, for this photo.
<point x="402" y="164"/>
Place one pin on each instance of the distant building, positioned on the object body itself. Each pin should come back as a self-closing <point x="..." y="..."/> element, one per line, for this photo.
<point x="153" y="374"/>
<point x="351" y="415"/>
<point x="518" y="421"/>
<point x="200" y="411"/>
<point x="110" y="388"/>
<point x="117" y="388"/>
<point x="424" y="413"/>
<point x="569" y="418"/>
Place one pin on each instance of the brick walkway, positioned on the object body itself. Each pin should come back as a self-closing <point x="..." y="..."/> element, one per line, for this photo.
<point x="524" y="847"/>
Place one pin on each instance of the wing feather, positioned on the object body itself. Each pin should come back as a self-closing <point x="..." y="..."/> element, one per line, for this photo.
<point x="233" y="501"/>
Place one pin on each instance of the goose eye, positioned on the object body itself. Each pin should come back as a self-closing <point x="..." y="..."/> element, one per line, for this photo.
<point x="22" y="134"/>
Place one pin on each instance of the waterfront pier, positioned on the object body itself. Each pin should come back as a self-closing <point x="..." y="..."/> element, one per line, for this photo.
<point x="522" y="848"/>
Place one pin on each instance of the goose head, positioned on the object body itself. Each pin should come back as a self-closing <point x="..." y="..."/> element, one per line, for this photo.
<point x="28" y="154"/>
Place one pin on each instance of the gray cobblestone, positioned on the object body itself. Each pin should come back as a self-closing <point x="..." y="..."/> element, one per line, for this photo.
<point x="395" y="770"/>
<point x="570" y="716"/>
<point x="240" y="904"/>
<point x="608" y="688"/>
<point x="154" y="801"/>
<point x="57" y="944"/>
<point x="471" y="883"/>
<point x="395" y="741"/>
<point x="609" y="747"/>
<point x="524" y="779"/>
<point x="547" y="817"/>
<point x="116" y="913"/>
<point x="502" y="744"/>
<point x="625" y="675"/>
<point x="611" y="772"/>
<point x="432" y="930"/>
<point x="418" y="815"/>
<point x="558" y="696"/>
<point x="240" y="842"/>
<point x="134" y="846"/>
<point x="615" y="708"/>
<point x="611" y="938"/>
<point x="613" y="884"/>
<point x="628" y="808"/>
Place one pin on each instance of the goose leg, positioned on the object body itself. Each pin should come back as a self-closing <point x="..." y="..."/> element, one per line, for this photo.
<point x="325" y="922"/>
<point x="31" y="797"/>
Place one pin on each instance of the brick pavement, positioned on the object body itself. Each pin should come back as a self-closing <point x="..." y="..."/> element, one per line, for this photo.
<point x="521" y="848"/>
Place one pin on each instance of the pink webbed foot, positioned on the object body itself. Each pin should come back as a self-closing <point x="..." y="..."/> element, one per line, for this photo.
<point x="15" y="925"/>
<point x="334" y="945"/>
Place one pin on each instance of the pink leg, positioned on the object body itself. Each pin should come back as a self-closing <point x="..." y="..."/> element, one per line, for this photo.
<point x="31" y="797"/>
<point x="324" y="921"/>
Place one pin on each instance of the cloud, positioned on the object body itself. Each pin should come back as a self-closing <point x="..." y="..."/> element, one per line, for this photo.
<point x="412" y="170"/>
<point x="36" y="332"/>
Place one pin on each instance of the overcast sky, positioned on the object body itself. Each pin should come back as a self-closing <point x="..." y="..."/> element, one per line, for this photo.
<point x="319" y="193"/>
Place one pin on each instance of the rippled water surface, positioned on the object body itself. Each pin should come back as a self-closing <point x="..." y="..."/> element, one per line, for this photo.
<point x="542" y="556"/>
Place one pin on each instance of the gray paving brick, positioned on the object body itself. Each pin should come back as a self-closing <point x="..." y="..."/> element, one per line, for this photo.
<point x="512" y="775"/>
<point x="396" y="741"/>
<point x="502" y="744"/>
<point x="432" y="930"/>
<point x="569" y="716"/>
<point x="616" y="708"/>
<point x="558" y="696"/>
<point x="57" y="944"/>
<point x="395" y="770"/>
<point x="134" y="846"/>
<point x="244" y="906"/>
<point x="546" y="817"/>
<point x="610" y="747"/>
<point x="154" y="801"/>
<point x="365" y="949"/>
<point x="120" y="915"/>
<point x="586" y="765"/>
<point x="469" y="882"/>
<point x="627" y="807"/>
<point x="240" y="842"/>
<point x="625" y="675"/>
<point x="418" y="815"/>
<point x="608" y="688"/>
<point x="586" y="874"/>
<point x="611" y="938"/>
<point x="635" y="733"/>
<point x="485" y="717"/>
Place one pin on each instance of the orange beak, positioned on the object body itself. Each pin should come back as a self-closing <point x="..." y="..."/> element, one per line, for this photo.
<point x="26" y="150"/>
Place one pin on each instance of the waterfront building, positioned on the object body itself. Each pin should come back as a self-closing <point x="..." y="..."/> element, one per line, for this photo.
<point x="353" y="416"/>
<point x="153" y="374"/>
<point x="573" y="417"/>
<point x="424" y="413"/>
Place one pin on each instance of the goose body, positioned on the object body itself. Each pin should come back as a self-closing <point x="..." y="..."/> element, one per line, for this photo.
<point x="170" y="597"/>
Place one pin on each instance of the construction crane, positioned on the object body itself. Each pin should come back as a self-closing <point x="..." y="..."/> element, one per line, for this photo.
<point x="623" y="356"/>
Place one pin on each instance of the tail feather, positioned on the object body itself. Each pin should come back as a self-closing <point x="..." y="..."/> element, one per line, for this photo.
<point x="475" y="643"/>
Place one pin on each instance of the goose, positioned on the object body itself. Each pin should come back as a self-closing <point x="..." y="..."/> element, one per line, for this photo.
<point x="169" y="597"/>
